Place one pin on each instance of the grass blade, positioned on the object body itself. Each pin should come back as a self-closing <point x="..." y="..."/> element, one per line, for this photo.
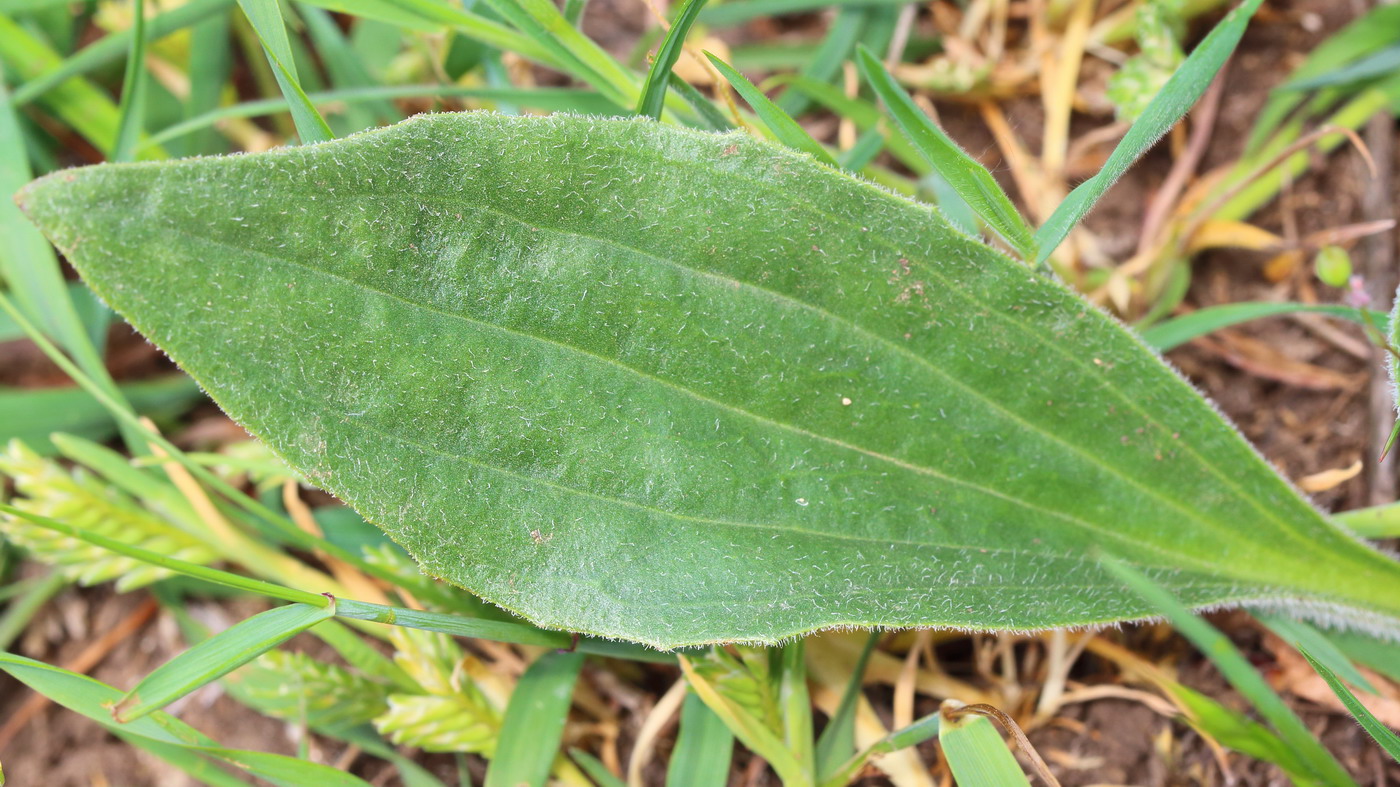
<point x="1309" y="640"/>
<point x="1238" y="671"/>
<point x="266" y="18"/>
<point x="32" y="415"/>
<point x="965" y="174"/>
<point x="659" y="76"/>
<point x="210" y="64"/>
<point x="837" y="743"/>
<point x="840" y="39"/>
<point x="217" y="656"/>
<point x="1235" y="730"/>
<point x="595" y="769"/>
<point x="1170" y="334"/>
<point x="748" y="729"/>
<point x="1373" y="65"/>
<point x="91" y="698"/>
<point x="133" y="96"/>
<point x="1380" y="655"/>
<point x="795" y="704"/>
<point x="704" y="748"/>
<point x="534" y="722"/>
<point x="1388" y="740"/>
<point x="784" y="128"/>
<point x="977" y="755"/>
<point x="1176" y="97"/>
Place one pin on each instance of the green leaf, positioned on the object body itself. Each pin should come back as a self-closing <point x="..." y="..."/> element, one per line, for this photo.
<point x="596" y="770"/>
<point x="1175" y="98"/>
<point x="1387" y="739"/>
<point x="93" y="699"/>
<point x="659" y="76"/>
<point x="133" y="95"/>
<point x="1379" y="63"/>
<point x="837" y="743"/>
<point x="1239" y="672"/>
<point x="1170" y="334"/>
<point x="534" y="722"/>
<point x="217" y="656"/>
<point x="33" y="414"/>
<point x="1235" y="730"/>
<point x="965" y="174"/>
<point x="977" y="755"/>
<point x="1305" y="637"/>
<point x="266" y="18"/>
<point x="704" y="748"/>
<point x="784" y="128"/>
<point x="677" y="387"/>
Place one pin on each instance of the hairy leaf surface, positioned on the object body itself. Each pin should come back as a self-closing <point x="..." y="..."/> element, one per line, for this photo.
<point x="682" y="387"/>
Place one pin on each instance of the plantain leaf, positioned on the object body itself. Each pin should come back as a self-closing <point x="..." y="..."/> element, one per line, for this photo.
<point x="681" y="387"/>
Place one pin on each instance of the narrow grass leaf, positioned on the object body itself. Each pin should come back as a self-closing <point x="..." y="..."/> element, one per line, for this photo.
<point x="578" y="54"/>
<point x="133" y="95"/>
<point x="58" y="71"/>
<point x="346" y="72"/>
<point x="218" y="656"/>
<point x="737" y="11"/>
<point x="1175" y="98"/>
<point x="704" y="748"/>
<point x="746" y="727"/>
<point x="1305" y="637"/>
<point x="595" y="769"/>
<point x="713" y="119"/>
<point x="864" y="114"/>
<point x="784" y="128"/>
<point x="211" y="62"/>
<point x="534" y="722"/>
<point x="965" y="174"/>
<point x="977" y="755"/>
<point x="93" y="699"/>
<point x="1373" y="65"/>
<point x="840" y="40"/>
<point x="1236" y="731"/>
<point x="1238" y="671"/>
<point x="1382" y="734"/>
<point x="659" y="75"/>
<point x="837" y="743"/>
<point x="1172" y="333"/>
<point x="33" y="414"/>
<point x="795" y="704"/>
<point x="201" y="768"/>
<point x="1379" y="654"/>
<point x="266" y="18"/>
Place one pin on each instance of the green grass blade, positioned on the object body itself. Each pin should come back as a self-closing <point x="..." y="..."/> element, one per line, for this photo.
<point x="1382" y="734"/>
<point x="784" y="128"/>
<point x="712" y="118"/>
<point x="111" y="47"/>
<point x="704" y="748"/>
<point x="1235" y="730"/>
<point x="211" y="62"/>
<point x="579" y="55"/>
<point x="1305" y="637"/>
<point x="837" y="743"/>
<point x="1376" y="522"/>
<point x="965" y="174"/>
<point x="795" y="704"/>
<point x="737" y="11"/>
<point x="33" y="414"/>
<point x="1172" y="333"/>
<point x="596" y="770"/>
<point x="659" y="76"/>
<point x="977" y="755"/>
<point x="840" y="40"/>
<point x="534" y="722"/>
<point x="1381" y="655"/>
<point x="266" y="18"/>
<point x="201" y="768"/>
<point x="866" y="116"/>
<point x="1376" y="64"/>
<point x="93" y="699"/>
<point x="217" y="656"/>
<point x="346" y="71"/>
<point x="1238" y="671"/>
<point x="1174" y="100"/>
<point x="133" y="95"/>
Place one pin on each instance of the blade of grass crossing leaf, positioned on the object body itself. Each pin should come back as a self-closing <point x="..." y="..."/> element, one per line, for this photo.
<point x="784" y="128"/>
<point x="795" y="704"/>
<point x="93" y="699"/>
<point x="218" y="656"/>
<point x="1387" y="739"/>
<point x="704" y="748"/>
<point x="1170" y="334"/>
<point x="266" y="18"/>
<point x="977" y="755"/>
<point x="1238" y="671"/>
<point x="1175" y="98"/>
<point x="659" y="75"/>
<point x="965" y="174"/>
<point x="534" y="722"/>
<point x="133" y="95"/>
<point x="846" y="28"/>
<point x="596" y="770"/>
<point x="1305" y="637"/>
<point x="838" y="741"/>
